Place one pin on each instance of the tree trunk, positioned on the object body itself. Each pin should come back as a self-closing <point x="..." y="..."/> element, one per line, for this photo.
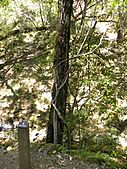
<point x="61" y="66"/>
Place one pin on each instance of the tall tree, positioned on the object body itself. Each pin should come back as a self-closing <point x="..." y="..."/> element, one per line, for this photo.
<point x="61" y="65"/>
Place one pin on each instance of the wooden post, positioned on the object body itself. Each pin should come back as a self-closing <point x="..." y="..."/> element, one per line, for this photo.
<point x="24" y="145"/>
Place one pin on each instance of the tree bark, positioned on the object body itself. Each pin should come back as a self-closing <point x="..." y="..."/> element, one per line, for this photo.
<point x="61" y="73"/>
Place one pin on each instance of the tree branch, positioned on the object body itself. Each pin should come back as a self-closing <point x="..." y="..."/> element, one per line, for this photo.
<point x="25" y="30"/>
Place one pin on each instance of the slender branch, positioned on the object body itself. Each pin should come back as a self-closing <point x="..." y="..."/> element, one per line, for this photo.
<point x="12" y="90"/>
<point x="29" y="18"/>
<point x="85" y="54"/>
<point x="25" y="30"/>
<point x="60" y="116"/>
<point x="86" y="36"/>
<point x="82" y="12"/>
<point x="90" y="52"/>
<point x="40" y="10"/>
<point x="19" y="60"/>
<point x="93" y="5"/>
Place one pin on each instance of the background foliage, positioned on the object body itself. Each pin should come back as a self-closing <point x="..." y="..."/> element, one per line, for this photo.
<point x="97" y="103"/>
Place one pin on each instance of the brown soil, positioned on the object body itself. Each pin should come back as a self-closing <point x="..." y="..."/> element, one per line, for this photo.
<point x="41" y="160"/>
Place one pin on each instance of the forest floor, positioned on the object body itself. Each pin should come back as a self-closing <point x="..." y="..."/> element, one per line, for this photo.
<point x="9" y="160"/>
<point x="45" y="156"/>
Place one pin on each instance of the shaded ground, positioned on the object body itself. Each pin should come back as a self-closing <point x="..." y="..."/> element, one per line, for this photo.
<point x="9" y="160"/>
<point x="43" y="156"/>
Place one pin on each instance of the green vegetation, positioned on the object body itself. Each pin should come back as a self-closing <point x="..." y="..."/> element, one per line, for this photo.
<point x="66" y="75"/>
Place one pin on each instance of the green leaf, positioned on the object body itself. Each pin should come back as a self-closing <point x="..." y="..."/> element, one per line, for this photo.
<point x="4" y="3"/>
<point x="115" y="3"/>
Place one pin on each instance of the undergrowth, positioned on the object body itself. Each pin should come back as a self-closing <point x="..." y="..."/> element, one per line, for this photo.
<point x="108" y="161"/>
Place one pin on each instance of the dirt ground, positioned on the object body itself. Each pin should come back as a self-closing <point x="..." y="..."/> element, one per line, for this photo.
<point x="40" y="160"/>
<point x="43" y="156"/>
